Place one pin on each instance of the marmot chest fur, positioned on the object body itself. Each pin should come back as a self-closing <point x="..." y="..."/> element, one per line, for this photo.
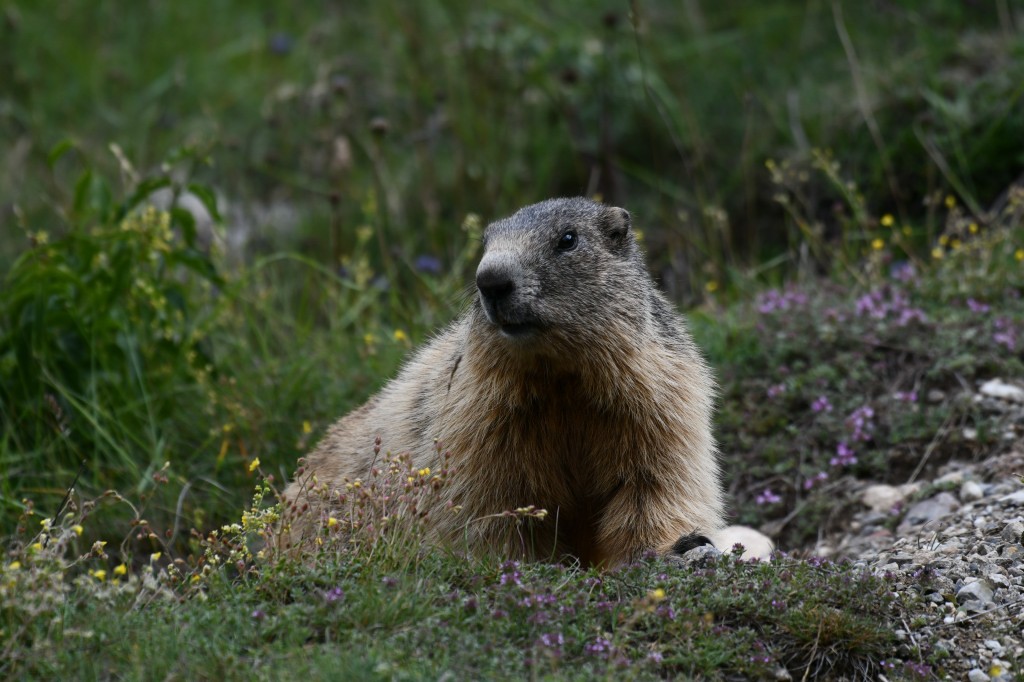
<point x="570" y="384"/>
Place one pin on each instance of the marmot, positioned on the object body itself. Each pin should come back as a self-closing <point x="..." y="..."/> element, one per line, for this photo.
<point x="570" y="384"/>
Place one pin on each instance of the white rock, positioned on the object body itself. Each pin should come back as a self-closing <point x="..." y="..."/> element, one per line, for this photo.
<point x="882" y="498"/>
<point x="994" y="645"/>
<point x="997" y="388"/>
<point x="971" y="491"/>
<point x="1014" y="498"/>
<point x="977" y="675"/>
<point x="931" y="509"/>
<point x="1013" y="532"/>
<point x="979" y="590"/>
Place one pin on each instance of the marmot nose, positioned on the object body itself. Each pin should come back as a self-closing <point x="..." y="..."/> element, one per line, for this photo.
<point x="494" y="283"/>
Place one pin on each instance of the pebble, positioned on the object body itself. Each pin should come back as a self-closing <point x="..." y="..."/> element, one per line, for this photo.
<point x="997" y="388"/>
<point x="1013" y="532"/>
<point x="932" y="509"/>
<point x="977" y="675"/>
<point x="971" y="491"/>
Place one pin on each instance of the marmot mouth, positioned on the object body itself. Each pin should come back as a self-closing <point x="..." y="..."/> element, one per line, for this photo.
<point x="519" y="330"/>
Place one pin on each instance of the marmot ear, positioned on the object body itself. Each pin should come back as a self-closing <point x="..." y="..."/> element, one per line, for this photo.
<point x="618" y="224"/>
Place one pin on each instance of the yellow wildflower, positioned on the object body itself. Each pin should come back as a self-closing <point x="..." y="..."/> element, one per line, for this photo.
<point x="937" y="253"/>
<point x="887" y="220"/>
<point x="1019" y="254"/>
<point x="877" y="244"/>
<point x="37" y="547"/>
<point x="307" y="427"/>
<point x="99" y="574"/>
<point x="121" y="569"/>
<point x="155" y="556"/>
<point x="711" y="287"/>
<point x="332" y="522"/>
<point x="400" y="336"/>
<point x="973" y="228"/>
<point x="78" y="529"/>
<point x="954" y="244"/>
<point x="424" y="472"/>
<point x="950" y="201"/>
<point x="658" y="594"/>
<point x="907" y="231"/>
<point x="944" y="239"/>
<point x="253" y="464"/>
<point x="14" y="565"/>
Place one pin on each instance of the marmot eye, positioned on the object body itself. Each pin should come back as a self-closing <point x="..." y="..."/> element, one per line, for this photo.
<point x="568" y="241"/>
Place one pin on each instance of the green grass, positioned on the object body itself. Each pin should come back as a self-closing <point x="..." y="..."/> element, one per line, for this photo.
<point x="376" y="604"/>
<point x="785" y="164"/>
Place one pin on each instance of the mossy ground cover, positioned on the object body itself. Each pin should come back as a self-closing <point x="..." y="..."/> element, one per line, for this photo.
<point x="829" y="192"/>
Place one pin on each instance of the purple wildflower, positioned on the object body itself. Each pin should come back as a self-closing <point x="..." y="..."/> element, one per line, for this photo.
<point x="259" y="614"/>
<point x="655" y="657"/>
<point x="845" y="456"/>
<point x="977" y="306"/>
<point x="280" y="43"/>
<point x="860" y="424"/>
<point x="905" y="396"/>
<point x="821" y="404"/>
<point x="776" y="390"/>
<point x="1005" y="334"/>
<point x="774" y="300"/>
<point x="552" y="640"/>
<point x="514" y="578"/>
<point x="903" y="272"/>
<point x="334" y="594"/>
<point x="814" y="480"/>
<point x="599" y="647"/>
<point x="428" y="264"/>
<point x="767" y="496"/>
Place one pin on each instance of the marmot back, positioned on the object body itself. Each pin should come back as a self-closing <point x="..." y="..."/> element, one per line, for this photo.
<point x="570" y="384"/>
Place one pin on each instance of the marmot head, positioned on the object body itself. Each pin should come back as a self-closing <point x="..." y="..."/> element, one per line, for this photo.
<point x="564" y="271"/>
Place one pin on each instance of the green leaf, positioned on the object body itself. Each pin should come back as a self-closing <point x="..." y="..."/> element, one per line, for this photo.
<point x="59" y="150"/>
<point x="187" y="222"/>
<point x="209" y="199"/>
<point x="142" y="191"/>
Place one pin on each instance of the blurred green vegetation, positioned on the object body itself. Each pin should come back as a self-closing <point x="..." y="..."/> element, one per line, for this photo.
<point x="435" y="110"/>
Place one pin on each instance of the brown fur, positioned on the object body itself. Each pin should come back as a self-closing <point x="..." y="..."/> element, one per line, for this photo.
<point x="599" y="412"/>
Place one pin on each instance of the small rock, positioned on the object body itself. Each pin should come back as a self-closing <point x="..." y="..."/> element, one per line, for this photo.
<point x="882" y="498"/>
<point x="701" y="556"/>
<point x="973" y="606"/>
<point x="994" y="646"/>
<point x="1015" y="498"/>
<point x="996" y="388"/>
<point x="1013" y="532"/>
<point x="952" y="477"/>
<point x="977" y="675"/>
<point x="782" y="675"/>
<point x="935" y="396"/>
<point x="998" y="580"/>
<point x="970" y="433"/>
<point x="971" y="491"/>
<point x="979" y="590"/>
<point x="931" y="509"/>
